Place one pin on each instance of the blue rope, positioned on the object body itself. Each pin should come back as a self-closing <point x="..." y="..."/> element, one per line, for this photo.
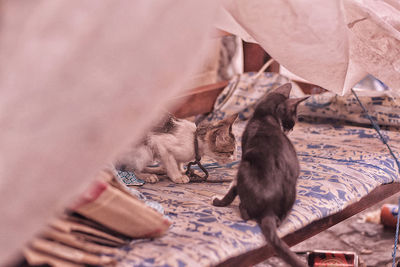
<point x="378" y="130"/>
<point x="396" y="239"/>
<point x="384" y="140"/>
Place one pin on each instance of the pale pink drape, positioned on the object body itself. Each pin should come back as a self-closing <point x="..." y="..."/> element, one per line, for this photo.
<point x="78" y="81"/>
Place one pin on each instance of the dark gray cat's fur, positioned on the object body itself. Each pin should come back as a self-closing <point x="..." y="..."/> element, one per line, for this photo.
<point x="269" y="168"/>
<point x="172" y="144"/>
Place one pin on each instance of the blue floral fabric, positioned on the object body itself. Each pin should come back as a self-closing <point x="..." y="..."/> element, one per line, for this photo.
<point x="382" y="106"/>
<point x="339" y="165"/>
<point x="129" y="178"/>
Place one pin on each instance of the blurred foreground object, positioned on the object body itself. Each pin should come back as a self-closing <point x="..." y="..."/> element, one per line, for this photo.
<point x="96" y="227"/>
<point x="78" y="82"/>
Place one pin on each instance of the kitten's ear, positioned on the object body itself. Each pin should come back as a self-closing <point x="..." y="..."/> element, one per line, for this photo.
<point x="292" y="103"/>
<point x="224" y="129"/>
<point x="283" y="89"/>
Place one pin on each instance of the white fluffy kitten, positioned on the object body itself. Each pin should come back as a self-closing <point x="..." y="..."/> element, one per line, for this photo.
<point x="172" y="144"/>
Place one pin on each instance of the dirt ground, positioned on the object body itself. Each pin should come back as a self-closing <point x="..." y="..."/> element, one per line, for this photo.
<point x="371" y="241"/>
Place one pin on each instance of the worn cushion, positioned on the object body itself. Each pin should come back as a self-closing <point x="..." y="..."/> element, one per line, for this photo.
<point x="339" y="165"/>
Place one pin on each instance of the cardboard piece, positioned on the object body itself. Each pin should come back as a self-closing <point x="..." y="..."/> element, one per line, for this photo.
<point x="78" y="242"/>
<point x="34" y="257"/>
<point x="75" y="255"/>
<point x="71" y="227"/>
<point x="124" y="214"/>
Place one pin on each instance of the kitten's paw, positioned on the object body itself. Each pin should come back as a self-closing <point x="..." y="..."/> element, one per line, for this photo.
<point x="181" y="179"/>
<point x="149" y="178"/>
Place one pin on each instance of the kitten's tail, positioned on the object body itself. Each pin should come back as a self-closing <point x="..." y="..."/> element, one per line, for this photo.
<point x="227" y="199"/>
<point x="282" y="250"/>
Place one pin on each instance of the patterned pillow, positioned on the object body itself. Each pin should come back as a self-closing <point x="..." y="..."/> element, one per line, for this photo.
<point x="243" y="92"/>
<point x="382" y="106"/>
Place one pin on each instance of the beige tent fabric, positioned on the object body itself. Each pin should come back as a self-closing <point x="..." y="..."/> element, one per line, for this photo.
<point x="333" y="44"/>
<point x="78" y="81"/>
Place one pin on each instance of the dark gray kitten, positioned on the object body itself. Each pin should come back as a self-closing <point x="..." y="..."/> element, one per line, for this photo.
<point x="171" y="142"/>
<point x="269" y="168"/>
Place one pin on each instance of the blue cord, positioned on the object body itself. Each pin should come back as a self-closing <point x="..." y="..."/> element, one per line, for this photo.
<point x="384" y="140"/>
<point x="378" y="130"/>
<point x="396" y="239"/>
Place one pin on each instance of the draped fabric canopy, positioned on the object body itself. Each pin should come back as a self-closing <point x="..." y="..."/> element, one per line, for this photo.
<point x="333" y="44"/>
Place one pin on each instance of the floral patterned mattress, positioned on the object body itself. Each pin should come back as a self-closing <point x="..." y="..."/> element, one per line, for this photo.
<point x="339" y="165"/>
